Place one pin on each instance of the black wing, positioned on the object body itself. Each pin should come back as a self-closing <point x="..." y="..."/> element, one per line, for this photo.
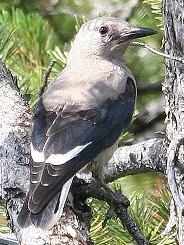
<point x="75" y="139"/>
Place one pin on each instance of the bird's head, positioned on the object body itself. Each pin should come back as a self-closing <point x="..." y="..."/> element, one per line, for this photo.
<point x="106" y="37"/>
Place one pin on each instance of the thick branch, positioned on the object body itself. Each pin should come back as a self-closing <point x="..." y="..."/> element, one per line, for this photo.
<point x="148" y="156"/>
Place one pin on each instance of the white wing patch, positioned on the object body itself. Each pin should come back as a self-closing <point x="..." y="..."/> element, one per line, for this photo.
<point x="36" y="155"/>
<point x="58" y="159"/>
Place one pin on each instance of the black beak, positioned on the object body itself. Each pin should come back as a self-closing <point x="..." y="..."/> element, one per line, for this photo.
<point x="136" y="32"/>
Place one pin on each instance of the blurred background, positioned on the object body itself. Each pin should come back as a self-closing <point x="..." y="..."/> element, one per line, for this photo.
<point x="34" y="33"/>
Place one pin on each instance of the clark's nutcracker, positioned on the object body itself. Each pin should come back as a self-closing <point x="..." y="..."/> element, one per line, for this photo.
<point x="80" y="116"/>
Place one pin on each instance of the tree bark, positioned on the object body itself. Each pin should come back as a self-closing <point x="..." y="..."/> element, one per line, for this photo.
<point x="173" y="89"/>
<point x="147" y="156"/>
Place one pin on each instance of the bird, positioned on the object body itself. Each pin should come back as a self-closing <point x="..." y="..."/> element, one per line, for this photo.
<point x="79" y="117"/>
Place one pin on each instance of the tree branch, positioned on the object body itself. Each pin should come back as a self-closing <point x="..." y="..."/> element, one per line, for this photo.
<point x="147" y="156"/>
<point x="154" y="51"/>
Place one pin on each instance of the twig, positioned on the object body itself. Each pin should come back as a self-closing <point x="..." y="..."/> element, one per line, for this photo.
<point x="130" y="224"/>
<point x="45" y="79"/>
<point x="144" y="45"/>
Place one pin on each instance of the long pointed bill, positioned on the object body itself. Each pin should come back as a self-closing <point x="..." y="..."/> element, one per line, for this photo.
<point x="136" y="32"/>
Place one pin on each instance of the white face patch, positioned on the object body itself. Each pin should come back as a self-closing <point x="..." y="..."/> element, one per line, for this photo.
<point x="36" y="155"/>
<point x="58" y="159"/>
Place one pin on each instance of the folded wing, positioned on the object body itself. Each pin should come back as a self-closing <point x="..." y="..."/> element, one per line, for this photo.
<point x="64" y="143"/>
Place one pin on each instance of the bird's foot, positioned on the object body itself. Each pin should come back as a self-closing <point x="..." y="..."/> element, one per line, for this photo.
<point x="97" y="189"/>
<point x="116" y="200"/>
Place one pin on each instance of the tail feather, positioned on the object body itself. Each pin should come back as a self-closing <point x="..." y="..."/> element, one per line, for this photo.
<point x="49" y="216"/>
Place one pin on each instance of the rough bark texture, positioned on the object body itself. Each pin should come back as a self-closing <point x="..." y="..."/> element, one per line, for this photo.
<point x="174" y="91"/>
<point x="15" y="121"/>
<point x="147" y="156"/>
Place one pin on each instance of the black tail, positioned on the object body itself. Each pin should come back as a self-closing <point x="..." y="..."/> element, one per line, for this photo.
<point x="44" y="219"/>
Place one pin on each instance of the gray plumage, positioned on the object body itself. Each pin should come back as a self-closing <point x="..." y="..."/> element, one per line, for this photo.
<point x="81" y="115"/>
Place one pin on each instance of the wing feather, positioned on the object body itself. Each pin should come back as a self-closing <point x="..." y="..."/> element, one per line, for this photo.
<point x="69" y="142"/>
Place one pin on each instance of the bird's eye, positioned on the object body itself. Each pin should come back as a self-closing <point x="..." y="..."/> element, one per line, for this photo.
<point x="103" y="30"/>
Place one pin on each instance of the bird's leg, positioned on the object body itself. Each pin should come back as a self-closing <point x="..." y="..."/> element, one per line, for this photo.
<point x="116" y="195"/>
<point x="81" y="190"/>
<point x="114" y="199"/>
